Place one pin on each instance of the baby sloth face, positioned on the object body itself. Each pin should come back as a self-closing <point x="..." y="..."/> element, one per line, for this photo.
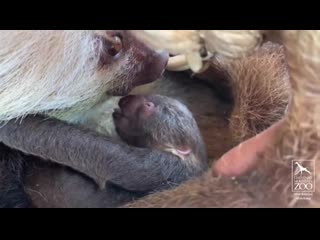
<point x="159" y="122"/>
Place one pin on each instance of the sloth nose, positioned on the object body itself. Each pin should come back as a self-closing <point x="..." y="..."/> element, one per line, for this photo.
<point x="164" y="56"/>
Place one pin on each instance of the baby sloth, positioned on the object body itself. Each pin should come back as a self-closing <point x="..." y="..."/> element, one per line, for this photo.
<point x="155" y="122"/>
<point x="161" y="123"/>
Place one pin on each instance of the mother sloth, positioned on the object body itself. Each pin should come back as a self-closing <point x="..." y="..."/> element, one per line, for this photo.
<point x="62" y="74"/>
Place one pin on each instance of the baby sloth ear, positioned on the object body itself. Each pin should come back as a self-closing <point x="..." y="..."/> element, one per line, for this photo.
<point x="181" y="152"/>
<point x="184" y="151"/>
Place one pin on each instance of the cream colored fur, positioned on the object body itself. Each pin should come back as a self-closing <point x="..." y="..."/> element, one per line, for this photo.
<point x="54" y="72"/>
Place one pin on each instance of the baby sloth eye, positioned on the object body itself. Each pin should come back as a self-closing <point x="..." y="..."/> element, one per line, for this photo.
<point x="116" y="45"/>
<point x="146" y="109"/>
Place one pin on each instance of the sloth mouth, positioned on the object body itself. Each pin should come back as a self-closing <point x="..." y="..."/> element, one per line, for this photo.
<point x="117" y="114"/>
<point x="150" y="72"/>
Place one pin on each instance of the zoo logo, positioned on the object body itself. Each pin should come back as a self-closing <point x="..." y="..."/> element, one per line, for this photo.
<point x="303" y="178"/>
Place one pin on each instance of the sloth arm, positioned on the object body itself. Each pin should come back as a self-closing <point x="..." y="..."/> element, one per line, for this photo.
<point x="244" y="157"/>
<point x="97" y="156"/>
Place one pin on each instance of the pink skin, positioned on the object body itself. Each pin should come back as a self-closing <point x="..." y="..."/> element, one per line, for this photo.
<point x="184" y="152"/>
<point x="244" y="157"/>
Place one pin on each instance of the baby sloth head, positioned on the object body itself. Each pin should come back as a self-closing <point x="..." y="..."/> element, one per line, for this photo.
<point x="159" y="122"/>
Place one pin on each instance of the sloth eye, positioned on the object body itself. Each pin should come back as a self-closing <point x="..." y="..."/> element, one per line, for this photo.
<point x="116" y="46"/>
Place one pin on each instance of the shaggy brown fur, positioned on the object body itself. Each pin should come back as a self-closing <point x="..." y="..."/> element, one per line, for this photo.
<point x="257" y="84"/>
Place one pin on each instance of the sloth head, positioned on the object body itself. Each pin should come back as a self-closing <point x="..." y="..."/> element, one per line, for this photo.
<point x="64" y="72"/>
